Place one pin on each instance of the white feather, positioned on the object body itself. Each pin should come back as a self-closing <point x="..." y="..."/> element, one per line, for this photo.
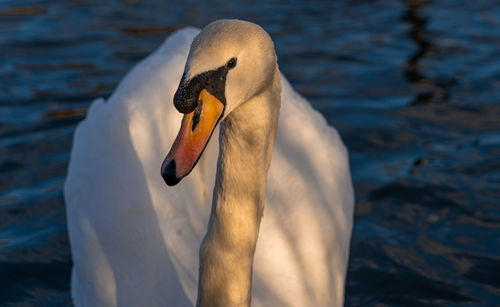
<point x="135" y="241"/>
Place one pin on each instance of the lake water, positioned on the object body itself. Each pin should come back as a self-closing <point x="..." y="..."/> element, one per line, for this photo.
<point x="412" y="86"/>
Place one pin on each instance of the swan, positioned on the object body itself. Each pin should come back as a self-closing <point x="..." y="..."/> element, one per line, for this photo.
<point x="135" y="241"/>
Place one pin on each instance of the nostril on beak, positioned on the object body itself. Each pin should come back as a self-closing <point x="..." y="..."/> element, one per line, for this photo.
<point x="168" y="174"/>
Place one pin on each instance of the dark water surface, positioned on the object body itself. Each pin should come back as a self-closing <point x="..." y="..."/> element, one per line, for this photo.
<point x="412" y="86"/>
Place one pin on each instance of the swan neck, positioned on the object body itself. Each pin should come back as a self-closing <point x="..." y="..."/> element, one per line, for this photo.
<point x="227" y="251"/>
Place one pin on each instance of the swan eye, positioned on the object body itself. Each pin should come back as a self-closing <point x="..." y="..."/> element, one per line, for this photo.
<point x="231" y="63"/>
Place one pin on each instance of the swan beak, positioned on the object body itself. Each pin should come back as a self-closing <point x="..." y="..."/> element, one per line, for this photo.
<point x="195" y="132"/>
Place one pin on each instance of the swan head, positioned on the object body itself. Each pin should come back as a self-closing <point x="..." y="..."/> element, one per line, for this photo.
<point x="229" y="62"/>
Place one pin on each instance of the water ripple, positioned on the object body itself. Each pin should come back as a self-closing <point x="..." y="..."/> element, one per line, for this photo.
<point x="411" y="85"/>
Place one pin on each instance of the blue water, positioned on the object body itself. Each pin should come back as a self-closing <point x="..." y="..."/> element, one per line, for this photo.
<point x="412" y="86"/>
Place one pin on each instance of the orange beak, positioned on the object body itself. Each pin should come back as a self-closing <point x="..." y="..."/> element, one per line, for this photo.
<point x="195" y="132"/>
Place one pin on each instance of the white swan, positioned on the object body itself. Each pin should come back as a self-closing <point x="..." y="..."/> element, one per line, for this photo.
<point x="135" y="241"/>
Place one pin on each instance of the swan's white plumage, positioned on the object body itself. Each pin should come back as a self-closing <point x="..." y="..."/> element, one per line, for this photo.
<point x="135" y="241"/>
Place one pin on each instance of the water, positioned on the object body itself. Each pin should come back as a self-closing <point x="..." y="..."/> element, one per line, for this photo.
<point x="412" y="86"/>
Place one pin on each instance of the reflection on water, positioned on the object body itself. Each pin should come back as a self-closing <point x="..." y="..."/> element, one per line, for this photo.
<point x="412" y="85"/>
<point x="433" y="90"/>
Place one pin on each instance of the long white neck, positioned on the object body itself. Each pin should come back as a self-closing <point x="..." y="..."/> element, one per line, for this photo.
<point x="227" y="251"/>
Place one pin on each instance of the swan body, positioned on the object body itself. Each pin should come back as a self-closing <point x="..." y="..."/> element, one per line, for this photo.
<point x="135" y="241"/>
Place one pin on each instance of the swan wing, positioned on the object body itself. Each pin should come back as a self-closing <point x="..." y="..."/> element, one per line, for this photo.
<point x="131" y="236"/>
<point x="302" y="250"/>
